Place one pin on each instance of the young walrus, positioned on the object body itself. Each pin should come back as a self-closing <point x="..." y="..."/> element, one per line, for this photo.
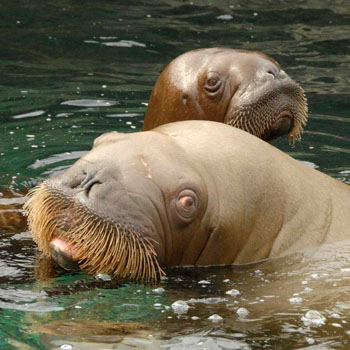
<point x="186" y="193"/>
<point x="245" y="89"/>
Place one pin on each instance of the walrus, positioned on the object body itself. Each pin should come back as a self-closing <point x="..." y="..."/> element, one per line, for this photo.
<point x="245" y="89"/>
<point x="186" y="193"/>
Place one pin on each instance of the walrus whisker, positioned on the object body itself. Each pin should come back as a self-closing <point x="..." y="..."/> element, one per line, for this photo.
<point x="115" y="255"/>
<point x="123" y="259"/>
<point x="149" y="253"/>
<point x="91" y="244"/>
<point x="141" y="260"/>
<point x="133" y="251"/>
<point x="146" y="260"/>
<point x="99" y="256"/>
<point x="103" y="247"/>
<point x="122" y="249"/>
<point x="256" y="118"/>
<point x="107" y="259"/>
<point x="144" y="268"/>
<point x="116" y="251"/>
<point x="138" y="262"/>
<point x="152" y="269"/>
<point x="100" y="245"/>
<point x="127" y="262"/>
<point x="148" y="270"/>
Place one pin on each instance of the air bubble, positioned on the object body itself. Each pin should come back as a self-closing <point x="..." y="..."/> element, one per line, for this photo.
<point x="233" y="292"/>
<point x="313" y="319"/>
<point x="242" y="312"/>
<point x="296" y="300"/>
<point x="215" y="318"/>
<point x="66" y="347"/>
<point x="180" y="307"/>
<point x="159" y="290"/>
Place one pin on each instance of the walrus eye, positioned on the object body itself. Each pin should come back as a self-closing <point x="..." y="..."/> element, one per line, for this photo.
<point x="213" y="82"/>
<point x="186" y="203"/>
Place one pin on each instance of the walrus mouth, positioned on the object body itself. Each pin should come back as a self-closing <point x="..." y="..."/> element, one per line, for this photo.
<point x="100" y="244"/>
<point x="279" y="112"/>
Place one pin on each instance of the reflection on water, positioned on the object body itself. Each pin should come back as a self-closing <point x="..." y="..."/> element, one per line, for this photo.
<point x="71" y="72"/>
<point x="290" y="302"/>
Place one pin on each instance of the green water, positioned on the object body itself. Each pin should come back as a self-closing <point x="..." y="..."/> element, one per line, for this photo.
<point x="71" y="70"/>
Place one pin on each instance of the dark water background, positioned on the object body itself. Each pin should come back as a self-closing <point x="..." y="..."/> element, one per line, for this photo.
<point x="71" y="70"/>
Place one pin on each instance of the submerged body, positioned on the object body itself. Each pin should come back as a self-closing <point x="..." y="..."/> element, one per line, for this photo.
<point x="180" y="194"/>
<point x="244" y="89"/>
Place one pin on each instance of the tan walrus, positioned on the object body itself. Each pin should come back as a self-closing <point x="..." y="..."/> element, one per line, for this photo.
<point x="186" y="193"/>
<point x="245" y="89"/>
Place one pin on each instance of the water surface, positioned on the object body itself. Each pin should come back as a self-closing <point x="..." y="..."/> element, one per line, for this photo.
<point x="71" y="70"/>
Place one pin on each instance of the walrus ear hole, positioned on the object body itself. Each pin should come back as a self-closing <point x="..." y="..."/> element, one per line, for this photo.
<point x="186" y="204"/>
<point x="212" y="83"/>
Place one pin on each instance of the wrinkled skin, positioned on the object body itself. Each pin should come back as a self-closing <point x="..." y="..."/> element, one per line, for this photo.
<point x="245" y="89"/>
<point x="197" y="188"/>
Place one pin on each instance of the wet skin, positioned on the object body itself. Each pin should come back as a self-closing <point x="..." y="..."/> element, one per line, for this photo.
<point x="194" y="189"/>
<point x="245" y="89"/>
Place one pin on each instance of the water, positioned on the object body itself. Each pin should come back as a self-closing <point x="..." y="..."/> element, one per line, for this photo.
<point x="72" y="70"/>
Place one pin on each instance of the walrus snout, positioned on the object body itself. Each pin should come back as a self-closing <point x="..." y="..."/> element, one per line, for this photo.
<point x="91" y="218"/>
<point x="64" y="254"/>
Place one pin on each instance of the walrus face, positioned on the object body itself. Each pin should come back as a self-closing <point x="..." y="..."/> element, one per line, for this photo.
<point x="244" y="89"/>
<point x="267" y="102"/>
<point x="117" y="209"/>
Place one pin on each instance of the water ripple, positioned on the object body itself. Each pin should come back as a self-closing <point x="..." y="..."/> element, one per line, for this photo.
<point x="90" y="103"/>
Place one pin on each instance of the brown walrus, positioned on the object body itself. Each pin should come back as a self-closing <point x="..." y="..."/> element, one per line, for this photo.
<point x="245" y="89"/>
<point x="186" y="193"/>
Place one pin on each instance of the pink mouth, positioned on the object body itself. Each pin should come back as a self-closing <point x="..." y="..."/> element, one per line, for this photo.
<point x="67" y="248"/>
<point x="64" y="253"/>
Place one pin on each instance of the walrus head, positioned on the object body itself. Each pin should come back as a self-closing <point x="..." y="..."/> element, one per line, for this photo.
<point x="110" y="212"/>
<point x="244" y="89"/>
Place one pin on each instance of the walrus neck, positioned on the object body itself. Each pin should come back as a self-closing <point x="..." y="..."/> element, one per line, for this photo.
<point x="322" y="219"/>
<point x="317" y="221"/>
<point x="281" y="211"/>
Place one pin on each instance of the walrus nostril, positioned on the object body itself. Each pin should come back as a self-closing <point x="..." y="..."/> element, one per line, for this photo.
<point x="271" y="72"/>
<point x="79" y="179"/>
<point x="88" y="177"/>
<point x="90" y="184"/>
<point x="89" y="181"/>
